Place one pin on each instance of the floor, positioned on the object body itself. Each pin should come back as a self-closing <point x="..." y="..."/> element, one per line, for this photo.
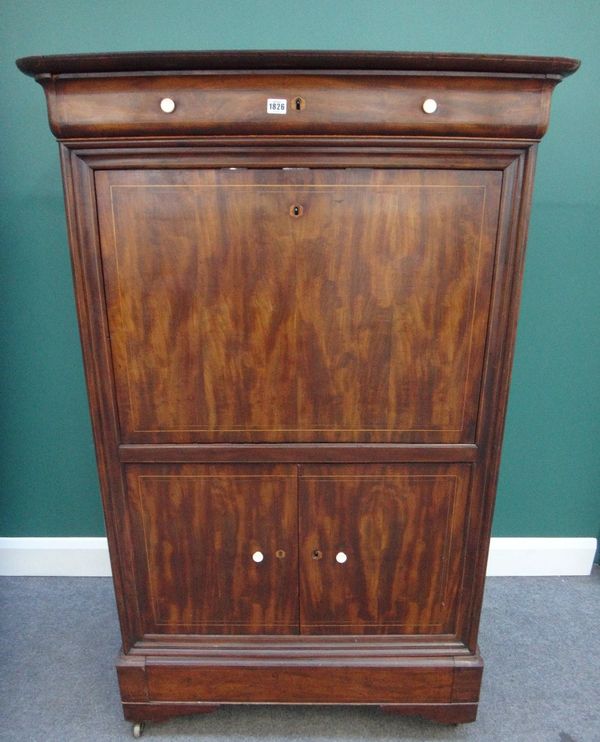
<point x="540" y="638"/>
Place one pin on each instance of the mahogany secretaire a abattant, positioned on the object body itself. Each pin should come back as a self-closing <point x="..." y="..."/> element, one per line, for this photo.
<point x="297" y="278"/>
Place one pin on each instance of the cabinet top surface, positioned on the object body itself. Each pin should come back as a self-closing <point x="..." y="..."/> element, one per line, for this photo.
<point x="167" y="61"/>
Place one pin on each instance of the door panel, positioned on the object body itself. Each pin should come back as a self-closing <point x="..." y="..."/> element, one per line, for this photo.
<point x="298" y="305"/>
<point x="401" y="529"/>
<point x="195" y="529"/>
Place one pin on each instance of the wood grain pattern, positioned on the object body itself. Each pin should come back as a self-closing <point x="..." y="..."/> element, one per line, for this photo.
<point x="230" y="320"/>
<point x="402" y="530"/>
<point x="295" y="59"/>
<point x="427" y="680"/>
<point x="343" y="103"/>
<point x="196" y="529"/>
<point x="91" y="313"/>
<point x="301" y="650"/>
<point x="318" y="453"/>
<point x="497" y="374"/>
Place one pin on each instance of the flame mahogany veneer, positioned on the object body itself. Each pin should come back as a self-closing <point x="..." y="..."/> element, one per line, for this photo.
<point x="297" y="332"/>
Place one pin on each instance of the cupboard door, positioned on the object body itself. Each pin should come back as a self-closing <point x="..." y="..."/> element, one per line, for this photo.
<point x="216" y="548"/>
<point x="298" y="305"/>
<point x="381" y="547"/>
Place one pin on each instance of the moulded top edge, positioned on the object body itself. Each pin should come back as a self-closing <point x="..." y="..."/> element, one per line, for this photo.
<point x="168" y="61"/>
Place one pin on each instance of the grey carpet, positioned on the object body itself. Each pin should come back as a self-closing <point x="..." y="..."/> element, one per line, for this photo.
<point x="539" y="636"/>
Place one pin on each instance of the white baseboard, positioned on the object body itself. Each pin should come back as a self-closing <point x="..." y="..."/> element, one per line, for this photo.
<point x="529" y="557"/>
<point x="55" y="557"/>
<point x="88" y="557"/>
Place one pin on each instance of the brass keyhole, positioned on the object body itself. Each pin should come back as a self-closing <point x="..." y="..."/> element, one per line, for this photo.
<point x="296" y="210"/>
<point x="299" y="103"/>
<point x="317" y="554"/>
<point x="280" y="554"/>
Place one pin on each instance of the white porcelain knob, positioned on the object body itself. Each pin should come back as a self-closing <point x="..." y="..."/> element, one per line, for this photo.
<point x="340" y="557"/>
<point x="258" y="556"/>
<point x="167" y="105"/>
<point x="429" y="105"/>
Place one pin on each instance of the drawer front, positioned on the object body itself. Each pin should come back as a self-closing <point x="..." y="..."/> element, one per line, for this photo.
<point x="314" y="104"/>
<point x="417" y="681"/>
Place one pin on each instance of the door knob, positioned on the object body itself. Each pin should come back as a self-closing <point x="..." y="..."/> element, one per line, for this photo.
<point x="341" y="557"/>
<point x="167" y="105"/>
<point x="430" y="105"/>
<point x="258" y="556"/>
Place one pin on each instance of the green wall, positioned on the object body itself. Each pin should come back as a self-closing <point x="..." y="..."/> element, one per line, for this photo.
<point x="549" y="484"/>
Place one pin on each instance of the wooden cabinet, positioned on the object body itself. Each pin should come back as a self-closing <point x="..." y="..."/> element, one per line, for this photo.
<point x="297" y="278"/>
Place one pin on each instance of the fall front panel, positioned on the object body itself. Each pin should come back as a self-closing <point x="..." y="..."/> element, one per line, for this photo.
<point x="298" y="305"/>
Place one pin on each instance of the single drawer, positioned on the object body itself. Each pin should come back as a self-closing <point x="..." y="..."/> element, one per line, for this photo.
<point x="414" y="680"/>
<point x="227" y="104"/>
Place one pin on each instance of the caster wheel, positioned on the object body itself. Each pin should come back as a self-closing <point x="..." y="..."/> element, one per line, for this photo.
<point x="138" y="729"/>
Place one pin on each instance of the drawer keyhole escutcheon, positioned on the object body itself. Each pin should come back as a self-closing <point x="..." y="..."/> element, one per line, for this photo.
<point x="167" y="105"/>
<point x="341" y="557"/>
<point x="258" y="556"/>
<point x="430" y="105"/>
<point x="317" y="554"/>
<point x="296" y="210"/>
<point x="299" y="103"/>
<point x="280" y="554"/>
